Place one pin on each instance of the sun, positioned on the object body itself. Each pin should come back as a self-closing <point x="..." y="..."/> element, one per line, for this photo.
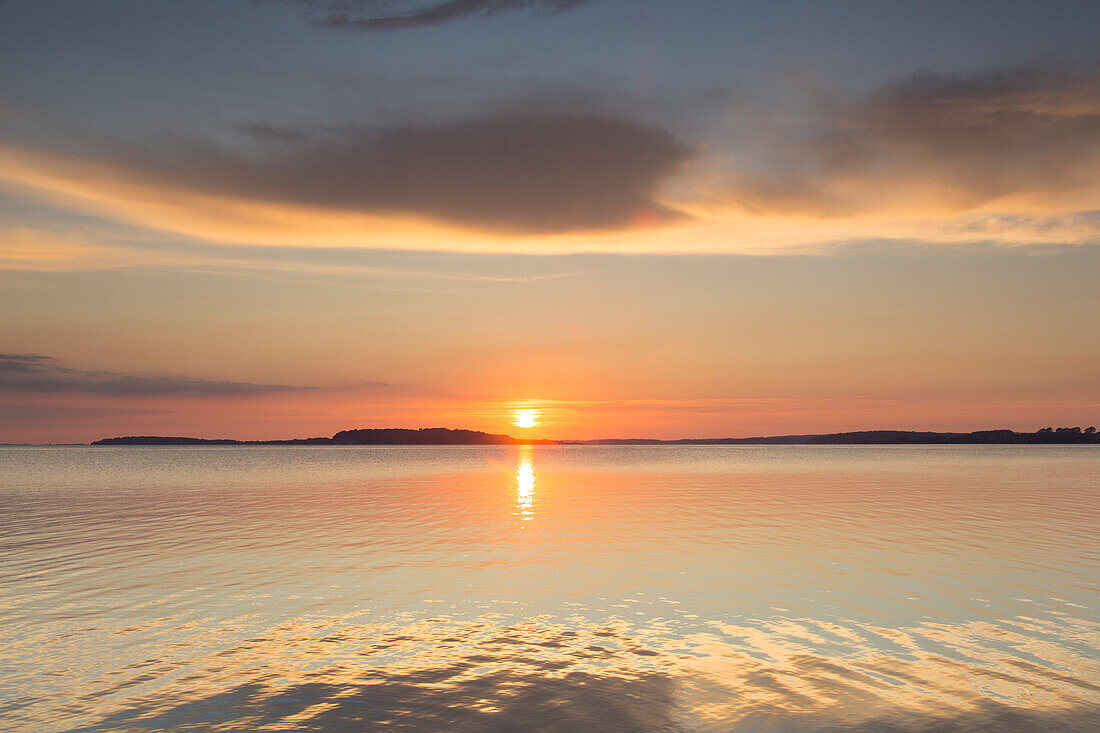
<point x="526" y="418"/>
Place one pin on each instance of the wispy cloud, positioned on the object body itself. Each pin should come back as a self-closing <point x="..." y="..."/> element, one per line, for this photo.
<point x="382" y="15"/>
<point x="1026" y="136"/>
<point x="34" y="373"/>
<point x="27" y="249"/>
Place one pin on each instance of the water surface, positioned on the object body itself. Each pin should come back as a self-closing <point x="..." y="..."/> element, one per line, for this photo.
<point x="688" y="588"/>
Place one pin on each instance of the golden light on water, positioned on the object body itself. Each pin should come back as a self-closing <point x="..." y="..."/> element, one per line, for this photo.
<point x="526" y="418"/>
<point x="525" y="484"/>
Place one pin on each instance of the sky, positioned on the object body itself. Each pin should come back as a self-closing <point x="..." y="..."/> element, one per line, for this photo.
<point x="264" y="219"/>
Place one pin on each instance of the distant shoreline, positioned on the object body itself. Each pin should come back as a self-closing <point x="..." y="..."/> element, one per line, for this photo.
<point x="445" y="436"/>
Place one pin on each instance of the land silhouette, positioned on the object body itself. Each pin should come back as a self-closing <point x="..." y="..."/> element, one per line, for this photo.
<point x="446" y="436"/>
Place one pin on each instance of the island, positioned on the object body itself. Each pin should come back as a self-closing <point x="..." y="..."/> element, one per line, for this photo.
<point x="447" y="436"/>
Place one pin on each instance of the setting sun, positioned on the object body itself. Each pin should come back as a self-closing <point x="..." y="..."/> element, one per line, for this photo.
<point x="526" y="418"/>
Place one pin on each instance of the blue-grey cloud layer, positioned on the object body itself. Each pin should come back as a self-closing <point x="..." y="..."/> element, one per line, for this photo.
<point x="965" y="140"/>
<point x="33" y="373"/>
<point x="525" y="173"/>
<point x="378" y="15"/>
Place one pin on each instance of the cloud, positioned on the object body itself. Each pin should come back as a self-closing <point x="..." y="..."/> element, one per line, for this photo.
<point x="32" y="373"/>
<point x="525" y="174"/>
<point x="26" y="249"/>
<point x="1026" y="137"/>
<point x="378" y="15"/>
<point x="521" y="173"/>
<point x="1007" y="157"/>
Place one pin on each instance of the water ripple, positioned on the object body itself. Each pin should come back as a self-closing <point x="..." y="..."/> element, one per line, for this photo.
<point x="642" y="589"/>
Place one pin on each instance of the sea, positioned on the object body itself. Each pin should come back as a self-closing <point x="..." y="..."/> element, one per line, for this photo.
<point x="550" y="588"/>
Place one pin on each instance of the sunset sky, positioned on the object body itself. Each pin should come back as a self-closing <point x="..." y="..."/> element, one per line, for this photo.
<point x="638" y="218"/>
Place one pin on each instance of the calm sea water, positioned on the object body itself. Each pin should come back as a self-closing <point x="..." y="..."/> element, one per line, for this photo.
<point x="553" y="588"/>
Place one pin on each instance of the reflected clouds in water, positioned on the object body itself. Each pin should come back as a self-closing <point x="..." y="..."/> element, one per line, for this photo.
<point x="507" y="588"/>
<point x="567" y="674"/>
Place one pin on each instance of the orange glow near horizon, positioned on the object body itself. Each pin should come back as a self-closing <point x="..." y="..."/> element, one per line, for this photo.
<point x="307" y="414"/>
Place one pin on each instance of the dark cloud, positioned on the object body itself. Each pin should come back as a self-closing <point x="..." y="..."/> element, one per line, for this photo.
<point x="953" y="141"/>
<point x="42" y="374"/>
<point x="376" y="15"/>
<point x="514" y="173"/>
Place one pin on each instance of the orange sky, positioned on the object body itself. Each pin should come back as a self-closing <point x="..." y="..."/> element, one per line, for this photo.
<point x="674" y="232"/>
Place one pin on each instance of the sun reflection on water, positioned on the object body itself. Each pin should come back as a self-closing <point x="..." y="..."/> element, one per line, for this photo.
<point x="525" y="484"/>
<point x="862" y="589"/>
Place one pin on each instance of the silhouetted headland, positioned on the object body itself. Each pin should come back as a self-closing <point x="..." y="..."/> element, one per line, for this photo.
<point x="362" y="436"/>
<point x="887" y="437"/>
<point x="446" y="436"/>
